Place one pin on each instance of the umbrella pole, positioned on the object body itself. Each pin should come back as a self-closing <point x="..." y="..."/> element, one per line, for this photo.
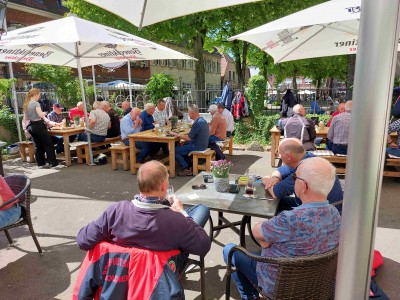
<point x="130" y="81"/>
<point x="373" y="87"/>
<point x="78" y="64"/>
<point x="14" y="93"/>
<point x="94" y="83"/>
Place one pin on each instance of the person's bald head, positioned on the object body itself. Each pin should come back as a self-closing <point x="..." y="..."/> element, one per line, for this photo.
<point x="348" y="105"/>
<point x="125" y="105"/>
<point x="341" y="107"/>
<point x="79" y="105"/>
<point x="291" y="151"/>
<point x="152" y="177"/>
<point x="135" y="112"/>
<point x="105" y="105"/>
<point x="319" y="175"/>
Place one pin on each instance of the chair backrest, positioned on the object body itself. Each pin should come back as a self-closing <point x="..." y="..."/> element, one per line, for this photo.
<point x="309" y="277"/>
<point x="114" y="272"/>
<point x="21" y="186"/>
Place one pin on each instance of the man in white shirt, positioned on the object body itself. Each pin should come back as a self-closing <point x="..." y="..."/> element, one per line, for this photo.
<point x="160" y="114"/>
<point x="230" y="123"/>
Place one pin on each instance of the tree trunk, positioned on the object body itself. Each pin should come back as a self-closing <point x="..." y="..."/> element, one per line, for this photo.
<point x="200" y="78"/>
<point x="294" y="81"/>
<point x="351" y="66"/>
<point x="240" y="61"/>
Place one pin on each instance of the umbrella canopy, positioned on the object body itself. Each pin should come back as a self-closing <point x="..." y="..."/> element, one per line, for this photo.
<point x="120" y="84"/>
<point x="77" y="43"/>
<point x="61" y="41"/>
<point x="327" y="29"/>
<point x="146" y="12"/>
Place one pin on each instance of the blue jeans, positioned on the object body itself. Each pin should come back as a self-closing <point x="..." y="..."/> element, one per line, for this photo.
<point x="199" y="213"/>
<point x="93" y="137"/>
<point x="214" y="138"/>
<point x="10" y="215"/>
<point x="393" y="151"/>
<point x="182" y="154"/>
<point x="336" y="148"/>
<point x="245" y="276"/>
<point x="60" y="143"/>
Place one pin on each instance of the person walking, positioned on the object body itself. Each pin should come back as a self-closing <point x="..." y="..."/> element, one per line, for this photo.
<point x="37" y="128"/>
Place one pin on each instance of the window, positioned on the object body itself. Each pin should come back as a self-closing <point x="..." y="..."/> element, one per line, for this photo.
<point x="156" y="62"/>
<point x="214" y="69"/>
<point x="218" y="68"/>
<point x="143" y="64"/>
<point x="230" y="76"/>
<point x="233" y="77"/>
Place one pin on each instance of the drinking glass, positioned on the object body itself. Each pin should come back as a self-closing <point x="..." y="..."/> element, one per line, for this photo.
<point x="170" y="194"/>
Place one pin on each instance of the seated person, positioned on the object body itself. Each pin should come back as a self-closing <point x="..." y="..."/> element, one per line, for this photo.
<point x="126" y="106"/>
<point x="99" y="122"/>
<point x="341" y="108"/>
<point x="77" y="111"/>
<point x="217" y="125"/>
<point x="281" y="184"/>
<point x="160" y="114"/>
<point x="10" y="213"/>
<point x="315" y="108"/>
<point x="338" y="133"/>
<point x="114" y="129"/>
<point x="393" y="148"/>
<point x="131" y="123"/>
<point x="298" y="126"/>
<point x="196" y="140"/>
<point x="57" y="117"/>
<point x="147" y="123"/>
<point x="310" y="229"/>
<point x="230" y="123"/>
<point x="150" y="221"/>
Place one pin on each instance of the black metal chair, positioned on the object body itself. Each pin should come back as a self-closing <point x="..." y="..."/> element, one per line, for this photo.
<point x="21" y="186"/>
<point x="303" y="277"/>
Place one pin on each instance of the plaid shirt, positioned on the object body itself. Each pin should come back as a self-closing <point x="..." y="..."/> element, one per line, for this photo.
<point x="393" y="127"/>
<point x="53" y="116"/>
<point x="339" y="131"/>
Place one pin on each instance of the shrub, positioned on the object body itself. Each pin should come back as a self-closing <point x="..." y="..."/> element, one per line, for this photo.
<point x="255" y="93"/>
<point x="160" y="86"/>
<point x="7" y="120"/>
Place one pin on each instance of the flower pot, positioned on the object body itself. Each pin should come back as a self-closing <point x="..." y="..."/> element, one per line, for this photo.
<point x="221" y="184"/>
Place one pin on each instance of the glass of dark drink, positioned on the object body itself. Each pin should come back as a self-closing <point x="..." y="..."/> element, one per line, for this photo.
<point x="249" y="190"/>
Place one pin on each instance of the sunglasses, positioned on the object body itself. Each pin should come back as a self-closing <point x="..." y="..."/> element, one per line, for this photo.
<point x="294" y="176"/>
<point x="199" y="186"/>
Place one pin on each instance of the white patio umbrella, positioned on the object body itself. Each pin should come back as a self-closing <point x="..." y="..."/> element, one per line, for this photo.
<point x="77" y="43"/>
<point x="327" y="29"/>
<point x="146" y="12"/>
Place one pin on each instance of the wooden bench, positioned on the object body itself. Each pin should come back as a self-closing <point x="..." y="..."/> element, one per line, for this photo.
<point x="393" y="162"/>
<point x="82" y="149"/>
<point x="26" y="150"/>
<point x="227" y="144"/>
<point x="208" y="156"/>
<point x="122" y="150"/>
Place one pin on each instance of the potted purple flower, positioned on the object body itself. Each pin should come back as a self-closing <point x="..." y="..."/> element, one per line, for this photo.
<point x="220" y="170"/>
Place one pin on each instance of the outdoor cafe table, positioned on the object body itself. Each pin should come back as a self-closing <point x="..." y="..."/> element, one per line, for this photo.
<point x="66" y="132"/>
<point x="229" y="203"/>
<point x="152" y="136"/>
<point x="276" y="135"/>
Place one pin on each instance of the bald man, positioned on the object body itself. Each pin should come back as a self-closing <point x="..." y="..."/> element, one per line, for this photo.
<point x="281" y="184"/>
<point x="310" y="229"/>
<point x="126" y="106"/>
<point x="340" y="109"/>
<point x="150" y="221"/>
<point x="131" y="123"/>
<point x="114" y="129"/>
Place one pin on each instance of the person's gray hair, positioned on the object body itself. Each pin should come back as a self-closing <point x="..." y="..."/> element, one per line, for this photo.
<point x="213" y="108"/>
<point x="96" y="104"/>
<point x="194" y="108"/>
<point x="148" y="106"/>
<point x="319" y="174"/>
<point x="105" y="104"/>
<point x="296" y="108"/>
<point x="348" y="105"/>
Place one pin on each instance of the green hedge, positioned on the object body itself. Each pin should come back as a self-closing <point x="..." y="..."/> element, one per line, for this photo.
<point x="257" y="129"/>
<point x="7" y="120"/>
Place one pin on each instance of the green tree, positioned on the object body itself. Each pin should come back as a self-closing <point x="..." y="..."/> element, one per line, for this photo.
<point x="5" y="88"/>
<point x="160" y="86"/>
<point x="256" y="93"/>
<point x="62" y="79"/>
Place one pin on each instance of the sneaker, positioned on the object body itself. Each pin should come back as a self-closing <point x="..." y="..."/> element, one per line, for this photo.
<point x="186" y="172"/>
<point x="57" y="167"/>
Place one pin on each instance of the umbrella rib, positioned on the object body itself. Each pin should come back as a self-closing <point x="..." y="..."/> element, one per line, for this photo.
<point x="142" y="14"/>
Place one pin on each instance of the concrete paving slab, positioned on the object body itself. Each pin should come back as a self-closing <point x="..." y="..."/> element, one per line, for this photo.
<point x="66" y="200"/>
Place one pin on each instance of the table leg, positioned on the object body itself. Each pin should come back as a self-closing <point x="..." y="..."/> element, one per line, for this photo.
<point x="67" y="150"/>
<point x="132" y="150"/>
<point x="171" y="148"/>
<point x="273" y="149"/>
<point x="242" y="235"/>
<point x="211" y="232"/>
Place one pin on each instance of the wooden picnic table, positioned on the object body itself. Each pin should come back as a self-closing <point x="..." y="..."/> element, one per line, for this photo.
<point x="66" y="132"/>
<point x="152" y="136"/>
<point x="276" y="136"/>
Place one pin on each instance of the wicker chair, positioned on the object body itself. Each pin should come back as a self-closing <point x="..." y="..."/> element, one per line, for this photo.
<point x="304" y="277"/>
<point x="21" y="186"/>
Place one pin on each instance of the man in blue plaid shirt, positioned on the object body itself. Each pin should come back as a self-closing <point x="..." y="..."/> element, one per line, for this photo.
<point x="56" y="116"/>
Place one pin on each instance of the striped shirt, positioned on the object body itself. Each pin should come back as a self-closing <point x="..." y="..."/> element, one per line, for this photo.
<point x="395" y="127"/>
<point x="339" y="131"/>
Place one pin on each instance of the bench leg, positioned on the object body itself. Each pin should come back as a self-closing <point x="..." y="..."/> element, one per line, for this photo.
<point x="125" y="160"/>
<point x="22" y="152"/>
<point x="79" y="153"/>
<point x="195" y="165"/>
<point x="208" y="164"/>
<point x="31" y="150"/>
<point x="114" y="158"/>
<point x="87" y="157"/>
<point x="231" y="146"/>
